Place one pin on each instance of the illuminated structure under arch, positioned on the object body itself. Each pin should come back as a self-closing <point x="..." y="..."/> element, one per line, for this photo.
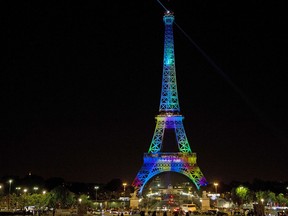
<point x="157" y="161"/>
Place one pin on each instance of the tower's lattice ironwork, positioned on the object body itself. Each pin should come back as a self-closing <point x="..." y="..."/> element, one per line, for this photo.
<point x="169" y="118"/>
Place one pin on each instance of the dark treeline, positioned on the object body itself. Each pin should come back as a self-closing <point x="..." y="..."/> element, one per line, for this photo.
<point x="32" y="182"/>
<point x="116" y="185"/>
<point x="256" y="185"/>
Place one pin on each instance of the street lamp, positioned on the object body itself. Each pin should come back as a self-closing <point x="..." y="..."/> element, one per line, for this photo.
<point x="35" y="189"/>
<point x="96" y="188"/>
<point x="216" y="185"/>
<point x="24" y="196"/>
<point x="124" y="185"/>
<point x="10" y="182"/>
<point x="18" y="190"/>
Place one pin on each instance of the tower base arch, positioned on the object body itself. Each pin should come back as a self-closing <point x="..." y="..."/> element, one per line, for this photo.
<point x="154" y="164"/>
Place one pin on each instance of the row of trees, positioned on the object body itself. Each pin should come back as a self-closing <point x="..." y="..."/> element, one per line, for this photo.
<point x="62" y="194"/>
<point x="62" y="197"/>
<point x="243" y="194"/>
<point x="16" y="193"/>
<point x="59" y="197"/>
<point x="36" y="184"/>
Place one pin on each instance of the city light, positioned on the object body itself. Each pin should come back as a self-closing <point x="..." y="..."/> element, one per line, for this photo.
<point x="124" y="185"/>
<point x="35" y="189"/>
<point x="96" y="188"/>
<point x="216" y="185"/>
<point x="10" y="182"/>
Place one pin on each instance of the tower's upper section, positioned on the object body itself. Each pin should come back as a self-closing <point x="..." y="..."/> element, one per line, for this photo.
<point x="169" y="96"/>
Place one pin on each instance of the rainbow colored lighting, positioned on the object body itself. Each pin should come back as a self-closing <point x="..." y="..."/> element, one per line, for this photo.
<point x="156" y="161"/>
<point x="169" y="121"/>
<point x="169" y="162"/>
<point x="169" y="96"/>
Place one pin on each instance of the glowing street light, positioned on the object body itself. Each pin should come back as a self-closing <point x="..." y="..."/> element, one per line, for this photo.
<point x="35" y="189"/>
<point x="18" y="190"/>
<point x="216" y="185"/>
<point x="124" y="185"/>
<point x="96" y="188"/>
<point x="10" y="182"/>
<point x="25" y="190"/>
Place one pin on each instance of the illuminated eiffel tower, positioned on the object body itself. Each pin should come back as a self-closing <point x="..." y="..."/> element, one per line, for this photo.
<point x="169" y="119"/>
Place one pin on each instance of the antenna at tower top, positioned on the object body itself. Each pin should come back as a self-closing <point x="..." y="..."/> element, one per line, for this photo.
<point x="168" y="12"/>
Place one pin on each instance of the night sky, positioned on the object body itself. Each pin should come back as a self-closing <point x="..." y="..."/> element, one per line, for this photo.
<point x="81" y="81"/>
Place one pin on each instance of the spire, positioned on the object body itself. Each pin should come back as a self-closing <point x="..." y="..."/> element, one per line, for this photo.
<point x="169" y="96"/>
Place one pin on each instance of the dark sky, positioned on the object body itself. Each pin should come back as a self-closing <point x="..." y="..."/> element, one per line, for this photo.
<point x="80" y="87"/>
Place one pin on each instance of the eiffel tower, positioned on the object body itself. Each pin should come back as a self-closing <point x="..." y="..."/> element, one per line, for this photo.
<point x="169" y="119"/>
